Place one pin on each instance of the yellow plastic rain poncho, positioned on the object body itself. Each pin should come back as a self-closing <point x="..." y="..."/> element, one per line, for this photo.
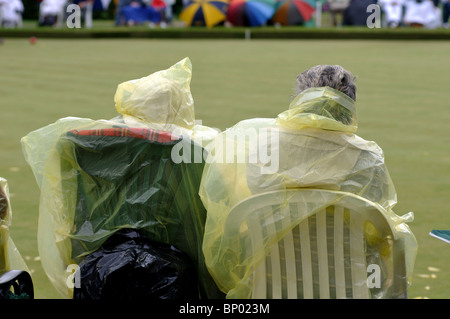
<point x="312" y="145"/>
<point x="94" y="184"/>
<point x="10" y="257"/>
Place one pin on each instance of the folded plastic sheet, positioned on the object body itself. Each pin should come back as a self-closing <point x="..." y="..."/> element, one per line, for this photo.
<point x="310" y="146"/>
<point x="162" y="98"/>
<point x="100" y="176"/>
<point x="10" y="257"/>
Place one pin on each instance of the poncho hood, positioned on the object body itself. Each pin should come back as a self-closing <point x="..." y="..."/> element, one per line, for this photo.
<point x="323" y="108"/>
<point x="162" y="97"/>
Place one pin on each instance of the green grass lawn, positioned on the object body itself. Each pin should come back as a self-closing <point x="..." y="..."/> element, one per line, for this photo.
<point x="402" y="105"/>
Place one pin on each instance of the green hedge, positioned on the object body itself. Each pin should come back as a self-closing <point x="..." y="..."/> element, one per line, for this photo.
<point x="269" y="32"/>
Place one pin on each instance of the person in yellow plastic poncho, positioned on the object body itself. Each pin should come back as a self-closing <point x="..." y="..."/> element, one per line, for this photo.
<point x="10" y="257"/>
<point x="99" y="176"/>
<point x="311" y="145"/>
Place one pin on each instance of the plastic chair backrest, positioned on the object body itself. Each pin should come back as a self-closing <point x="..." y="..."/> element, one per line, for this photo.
<point x="127" y="178"/>
<point x="346" y="250"/>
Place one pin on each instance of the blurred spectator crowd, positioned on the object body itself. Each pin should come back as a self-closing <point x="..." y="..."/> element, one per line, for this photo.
<point x="394" y="13"/>
<point x="130" y="12"/>
<point x="55" y="12"/>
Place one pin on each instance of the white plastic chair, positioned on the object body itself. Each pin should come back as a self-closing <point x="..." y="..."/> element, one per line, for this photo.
<point x="327" y="255"/>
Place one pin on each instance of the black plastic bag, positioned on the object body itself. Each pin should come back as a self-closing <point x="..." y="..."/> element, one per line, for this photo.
<point x="130" y="266"/>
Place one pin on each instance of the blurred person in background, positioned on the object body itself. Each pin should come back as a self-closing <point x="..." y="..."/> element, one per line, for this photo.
<point x="393" y="10"/>
<point x="422" y="13"/>
<point x="356" y="13"/>
<point x="337" y="8"/>
<point x="159" y="17"/>
<point x="11" y="13"/>
<point x="51" y="12"/>
<point x="86" y="7"/>
<point x="121" y="4"/>
<point x="169" y="10"/>
<point x="445" y="13"/>
<point x="137" y="12"/>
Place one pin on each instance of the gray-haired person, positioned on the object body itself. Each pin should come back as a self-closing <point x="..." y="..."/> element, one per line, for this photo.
<point x="317" y="146"/>
<point x="334" y="76"/>
<point x="314" y="146"/>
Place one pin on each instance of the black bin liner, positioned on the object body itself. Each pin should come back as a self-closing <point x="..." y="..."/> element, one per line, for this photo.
<point x="130" y="266"/>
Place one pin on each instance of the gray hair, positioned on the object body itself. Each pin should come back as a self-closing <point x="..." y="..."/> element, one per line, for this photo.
<point x="334" y="76"/>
